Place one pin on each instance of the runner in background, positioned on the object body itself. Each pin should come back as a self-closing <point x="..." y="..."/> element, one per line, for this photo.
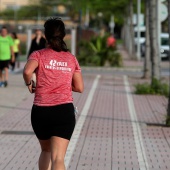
<point x="6" y="55"/>
<point x="16" y="48"/>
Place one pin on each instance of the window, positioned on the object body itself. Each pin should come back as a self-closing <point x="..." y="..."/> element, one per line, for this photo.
<point x="142" y="34"/>
<point x="164" y="41"/>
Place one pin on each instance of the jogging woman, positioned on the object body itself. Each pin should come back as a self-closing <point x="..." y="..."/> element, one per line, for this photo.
<point x="57" y="75"/>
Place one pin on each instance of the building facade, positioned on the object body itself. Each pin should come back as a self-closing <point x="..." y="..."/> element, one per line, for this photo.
<point x="14" y="4"/>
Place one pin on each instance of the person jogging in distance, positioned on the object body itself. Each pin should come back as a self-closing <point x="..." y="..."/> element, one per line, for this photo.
<point x="6" y="55"/>
<point x="57" y="74"/>
<point x="16" y="49"/>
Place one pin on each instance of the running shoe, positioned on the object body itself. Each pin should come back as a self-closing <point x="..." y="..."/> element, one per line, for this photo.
<point x="5" y="83"/>
<point x="2" y="84"/>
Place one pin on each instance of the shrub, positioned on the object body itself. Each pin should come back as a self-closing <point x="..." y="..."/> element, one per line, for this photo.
<point x="160" y="88"/>
<point x="98" y="46"/>
<point x="96" y="53"/>
<point x="115" y="59"/>
<point x="86" y="56"/>
<point x="156" y="87"/>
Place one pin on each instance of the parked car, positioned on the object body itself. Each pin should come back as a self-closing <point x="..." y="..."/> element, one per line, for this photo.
<point x="164" y="47"/>
<point x="142" y="34"/>
<point x="141" y="40"/>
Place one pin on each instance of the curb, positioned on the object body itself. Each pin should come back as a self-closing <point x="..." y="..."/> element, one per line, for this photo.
<point x="110" y="69"/>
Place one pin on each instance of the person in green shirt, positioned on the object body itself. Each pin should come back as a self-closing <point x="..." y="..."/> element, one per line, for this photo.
<point x="16" y="49"/>
<point x="6" y="54"/>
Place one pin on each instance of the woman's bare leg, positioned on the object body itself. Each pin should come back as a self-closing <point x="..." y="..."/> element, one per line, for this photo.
<point x="45" y="156"/>
<point x="58" y="151"/>
<point x="6" y="74"/>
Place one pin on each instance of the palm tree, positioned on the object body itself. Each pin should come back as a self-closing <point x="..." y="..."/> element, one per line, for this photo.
<point x="128" y="29"/>
<point x="147" y="60"/>
<point x="155" y="58"/>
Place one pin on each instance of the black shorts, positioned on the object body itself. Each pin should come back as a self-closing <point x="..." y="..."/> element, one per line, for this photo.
<point x="48" y="121"/>
<point x="4" y="64"/>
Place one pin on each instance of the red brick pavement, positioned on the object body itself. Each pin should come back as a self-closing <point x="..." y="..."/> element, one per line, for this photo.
<point x="109" y="139"/>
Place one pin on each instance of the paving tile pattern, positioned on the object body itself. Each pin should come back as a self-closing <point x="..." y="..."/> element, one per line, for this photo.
<point x="106" y="141"/>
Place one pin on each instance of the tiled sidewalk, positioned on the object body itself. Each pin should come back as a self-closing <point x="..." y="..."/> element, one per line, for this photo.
<point x="111" y="131"/>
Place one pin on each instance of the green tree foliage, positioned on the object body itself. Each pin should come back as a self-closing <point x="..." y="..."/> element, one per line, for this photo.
<point x="35" y="11"/>
<point x="45" y="8"/>
<point x="107" y="7"/>
<point x="24" y="12"/>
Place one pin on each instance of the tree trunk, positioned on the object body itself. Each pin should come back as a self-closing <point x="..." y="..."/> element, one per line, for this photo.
<point x="157" y="47"/>
<point x="155" y="73"/>
<point x="147" y="60"/>
<point x="126" y="31"/>
<point x="125" y="34"/>
<point x="131" y="39"/>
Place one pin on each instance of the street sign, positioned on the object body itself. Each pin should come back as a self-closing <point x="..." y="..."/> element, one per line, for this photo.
<point x="141" y="19"/>
<point x="163" y="12"/>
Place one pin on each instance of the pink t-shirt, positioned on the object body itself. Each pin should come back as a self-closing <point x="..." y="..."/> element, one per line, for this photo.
<point x="54" y="76"/>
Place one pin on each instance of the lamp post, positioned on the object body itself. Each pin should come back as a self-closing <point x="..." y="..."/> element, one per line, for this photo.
<point x="168" y="108"/>
<point x="100" y="15"/>
<point x="112" y="25"/>
<point x="87" y="18"/>
<point x="15" y="9"/>
<point x="138" y="29"/>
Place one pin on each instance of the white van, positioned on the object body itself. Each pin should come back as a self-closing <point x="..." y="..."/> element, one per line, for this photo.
<point x="141" y="40"/>
<point x="164" y="49"/>
<point x="142" y="34"/>
<point x="165" y="45"/>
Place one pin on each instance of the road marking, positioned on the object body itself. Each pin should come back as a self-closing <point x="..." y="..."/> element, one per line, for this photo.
<point x="80" y="123"/>
<point x="143" y="164"/>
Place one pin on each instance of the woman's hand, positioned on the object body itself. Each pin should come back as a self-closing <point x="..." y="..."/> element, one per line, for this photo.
<point x="31" y="87"/>
<point x="77" y="83"/>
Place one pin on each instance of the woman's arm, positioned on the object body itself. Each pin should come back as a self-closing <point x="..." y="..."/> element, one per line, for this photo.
<point x="77" y="82"/>
<point x="29" y="68"/>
